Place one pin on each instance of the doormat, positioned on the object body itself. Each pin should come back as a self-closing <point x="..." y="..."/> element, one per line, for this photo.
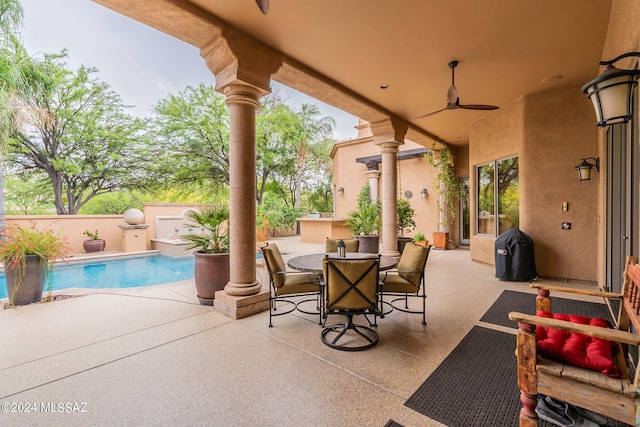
<point x="498" y="313"/>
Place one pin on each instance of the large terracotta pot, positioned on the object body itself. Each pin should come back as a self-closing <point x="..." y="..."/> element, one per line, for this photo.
<point x="369" y="243"/>
<point x="27" y="289"/>
<point x="440" y="240"/>
<point x="211" y="274"/>
<point x="94" y="245"/>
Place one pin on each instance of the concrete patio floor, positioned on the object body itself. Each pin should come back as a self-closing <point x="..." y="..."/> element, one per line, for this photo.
<point x="154" y="356"/>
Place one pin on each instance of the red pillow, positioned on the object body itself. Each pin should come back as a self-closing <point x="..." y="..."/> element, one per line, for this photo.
<point x="577" y="349"/>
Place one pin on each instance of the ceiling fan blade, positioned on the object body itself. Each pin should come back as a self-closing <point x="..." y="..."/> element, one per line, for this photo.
<point x="263" y="5"/>
<point x="477" y="107"/>
<point x="431" y="114"/>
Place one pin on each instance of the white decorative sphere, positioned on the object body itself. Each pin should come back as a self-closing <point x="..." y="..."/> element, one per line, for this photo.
<point x="133" y="216"/>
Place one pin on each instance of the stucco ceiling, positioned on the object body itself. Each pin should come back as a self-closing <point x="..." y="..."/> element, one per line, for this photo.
<point x="505" y="48"/>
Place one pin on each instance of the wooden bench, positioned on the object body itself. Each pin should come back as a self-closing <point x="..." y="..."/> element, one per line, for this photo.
<point x="615" y="398"/>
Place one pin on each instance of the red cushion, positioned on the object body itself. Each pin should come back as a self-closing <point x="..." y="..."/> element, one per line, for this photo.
<point x="577" y="349"/>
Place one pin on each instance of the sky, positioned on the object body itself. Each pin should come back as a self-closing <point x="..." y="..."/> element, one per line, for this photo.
<point x="141" y="64"/>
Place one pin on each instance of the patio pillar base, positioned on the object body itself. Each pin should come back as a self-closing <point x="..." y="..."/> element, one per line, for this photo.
<point x="237" y="307"/>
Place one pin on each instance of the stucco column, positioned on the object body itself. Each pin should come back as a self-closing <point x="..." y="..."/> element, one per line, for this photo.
<point x="242" y="101"/>
<point x="243" y="68"/>
<point x="389" y="198"/>
<point x="373" y="176"/>
<point x="389" y="135"/>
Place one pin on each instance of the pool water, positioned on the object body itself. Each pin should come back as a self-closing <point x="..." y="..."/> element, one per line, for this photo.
<point x="117" y="273"/>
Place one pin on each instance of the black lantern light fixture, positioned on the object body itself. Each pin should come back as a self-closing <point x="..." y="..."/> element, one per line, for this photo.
<point x="584" y="168"/>
<point x="424" y="193"/>
<point x="341" y="191"/>
<point x="611" y="92"/>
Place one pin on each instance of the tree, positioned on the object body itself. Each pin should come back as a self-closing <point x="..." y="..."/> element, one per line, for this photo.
<point x="78" y="135"/>
<point x="311" y="128"/>
<point x="192" y="128"/>
<point x="10" y="82"/>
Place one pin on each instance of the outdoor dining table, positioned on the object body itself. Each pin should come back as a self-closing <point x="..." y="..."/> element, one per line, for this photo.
<point x="312" y="263"/>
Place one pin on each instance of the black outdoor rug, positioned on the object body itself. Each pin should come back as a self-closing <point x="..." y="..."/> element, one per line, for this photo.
<point x="476" y="385"/>
<point x="498" y="313"/>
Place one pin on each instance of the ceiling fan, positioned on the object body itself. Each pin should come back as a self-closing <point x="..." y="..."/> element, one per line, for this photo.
<point x="263" y="5"/>
<point x="453" y="101"/>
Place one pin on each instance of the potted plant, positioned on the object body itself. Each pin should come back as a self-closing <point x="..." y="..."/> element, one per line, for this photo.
<point x="27" y="254"/>
<point x="211" y="272"/>
<point x="365" y="222"/>
<point x="419" y="239"/>
<point x="93" y="243"/>
<point x="405" y="223"/>
<point x="447" y="187"/>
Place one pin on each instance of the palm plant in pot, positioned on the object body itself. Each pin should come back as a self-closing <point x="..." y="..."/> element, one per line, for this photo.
<point x="27" y="254"/>
<point x="365" y="222"/>
<point x="211" y="271"/>
<point x="405" y="223"/>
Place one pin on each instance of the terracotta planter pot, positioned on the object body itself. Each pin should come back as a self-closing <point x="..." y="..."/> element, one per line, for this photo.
<point x="211" y="274"/>
<point x="94" y="245"/>
<point x="27" y="289"/>
<point x="440" y="240"/>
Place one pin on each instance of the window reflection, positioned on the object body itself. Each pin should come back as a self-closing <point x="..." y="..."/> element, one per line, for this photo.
<point x="499" y="178"/>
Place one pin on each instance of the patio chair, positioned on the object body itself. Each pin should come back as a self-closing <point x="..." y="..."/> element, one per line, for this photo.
<point x="406" y="282"/>
<point x="350" y="288"/>
<point x="331" y="245"/>
<point x="288" y="287"/>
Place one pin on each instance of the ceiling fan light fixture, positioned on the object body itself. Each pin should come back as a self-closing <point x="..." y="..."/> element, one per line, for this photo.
<point x="384" y="86"/>
<point x="453" y="100"/>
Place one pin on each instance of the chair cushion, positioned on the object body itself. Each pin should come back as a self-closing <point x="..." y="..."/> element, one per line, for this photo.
<point x="338" y="293"/>
<point x="577" y="349"/>
<point x="396" y="283"/>
<point x="299" y="283"/>
<point x="414" y="257"/>
<point x="275" y="264"/>
<point x="351" y="245"/>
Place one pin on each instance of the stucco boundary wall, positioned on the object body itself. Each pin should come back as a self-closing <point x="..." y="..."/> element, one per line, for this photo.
<point x="72" y="227"/>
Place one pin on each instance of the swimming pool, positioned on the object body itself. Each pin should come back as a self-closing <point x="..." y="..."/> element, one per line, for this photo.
<point x="117" y="273"/>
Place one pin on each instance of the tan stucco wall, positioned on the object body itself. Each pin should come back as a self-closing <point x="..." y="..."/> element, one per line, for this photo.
<point x="413" y="175"/>
<point x="71" y="227"/>
<point x="550" y="132"/>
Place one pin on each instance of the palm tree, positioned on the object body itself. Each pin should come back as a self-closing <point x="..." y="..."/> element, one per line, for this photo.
<point x="312" y="128"/>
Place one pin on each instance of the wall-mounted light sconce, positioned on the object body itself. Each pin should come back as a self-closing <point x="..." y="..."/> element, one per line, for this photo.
<point x="341" y="191"/>
<point x="611" y="92"/>
<point x="584" y="168"/>
<point x="424" y="193"/>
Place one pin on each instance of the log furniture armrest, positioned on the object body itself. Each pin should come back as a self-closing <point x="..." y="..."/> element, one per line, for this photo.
<point x="592" y="331"/>
<point x="577" y="291"/>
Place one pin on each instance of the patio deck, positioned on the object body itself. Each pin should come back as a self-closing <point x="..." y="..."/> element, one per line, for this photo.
<point x="154" y="356"/>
